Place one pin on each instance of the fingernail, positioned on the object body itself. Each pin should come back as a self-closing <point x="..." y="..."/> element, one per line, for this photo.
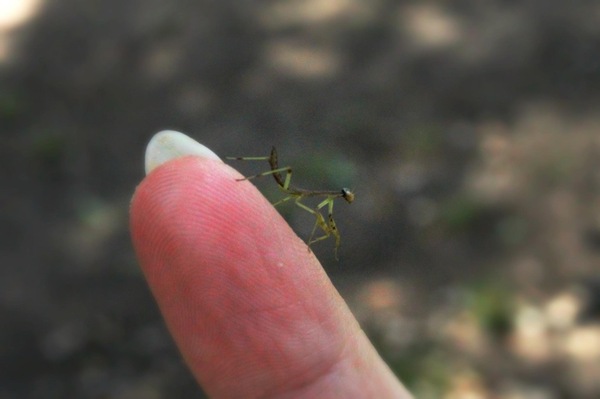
<point x="169" y="144"/>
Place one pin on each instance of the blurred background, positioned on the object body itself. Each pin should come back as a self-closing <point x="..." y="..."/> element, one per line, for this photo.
<point x="469" y="130"/>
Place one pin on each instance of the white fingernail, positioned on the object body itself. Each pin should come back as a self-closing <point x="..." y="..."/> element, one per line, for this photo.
<point x="169" y="144"/>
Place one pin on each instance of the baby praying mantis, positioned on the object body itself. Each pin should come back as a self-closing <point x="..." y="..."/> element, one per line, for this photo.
<point x="298" y="194"/>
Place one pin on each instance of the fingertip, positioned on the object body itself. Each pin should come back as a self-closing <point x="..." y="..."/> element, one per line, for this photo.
<point x="251" y="309"/>
<point x="216" y="255"/>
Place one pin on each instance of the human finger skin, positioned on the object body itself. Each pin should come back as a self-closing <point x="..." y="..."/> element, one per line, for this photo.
<point x="250" y="308"/>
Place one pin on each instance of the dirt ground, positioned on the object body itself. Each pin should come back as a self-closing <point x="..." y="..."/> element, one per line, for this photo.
<point x="470" y="131"/>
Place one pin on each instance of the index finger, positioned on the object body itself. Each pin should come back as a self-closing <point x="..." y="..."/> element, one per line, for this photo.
<point x="251" y="310"/>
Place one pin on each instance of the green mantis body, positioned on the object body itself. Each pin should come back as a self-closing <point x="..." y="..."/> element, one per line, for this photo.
<point x="297" y="194"/>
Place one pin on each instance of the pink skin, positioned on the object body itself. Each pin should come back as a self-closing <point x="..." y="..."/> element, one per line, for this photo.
<point x="250" y="308"/>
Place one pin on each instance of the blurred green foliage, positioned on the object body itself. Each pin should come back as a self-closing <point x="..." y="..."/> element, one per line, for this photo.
<point x="11" y="105"/>
<point x="492" y="304"/>
<point x="424" y="368"/>
<point x="327" y="171"/>
<point x="461" y="212"/>
<point x="49" y="148"/>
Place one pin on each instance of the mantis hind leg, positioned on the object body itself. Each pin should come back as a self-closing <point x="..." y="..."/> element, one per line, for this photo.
<point x="286" y="199"/>
<point x="288" y="176"/>
<point x="283" y="184"/>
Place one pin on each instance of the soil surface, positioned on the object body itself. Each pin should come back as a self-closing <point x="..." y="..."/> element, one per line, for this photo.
<point x="469" y="130"/>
